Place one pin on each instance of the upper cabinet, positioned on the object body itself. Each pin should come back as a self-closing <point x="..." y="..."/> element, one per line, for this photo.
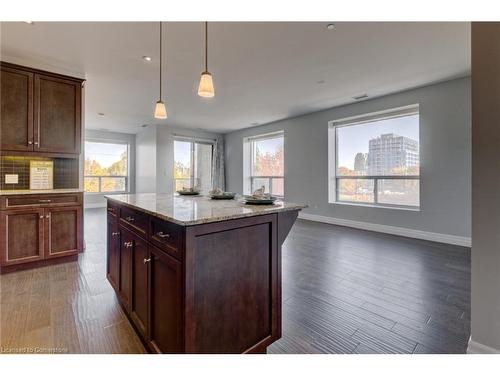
<point x="40" y="112"/>
<point x="16" y="117"/>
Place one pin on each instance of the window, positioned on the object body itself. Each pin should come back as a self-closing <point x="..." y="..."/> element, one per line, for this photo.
<point x="264" y="164"/>
<point x="106" y="167"/>
<point x="193" y="164"/>
<point x="374" y="159"/>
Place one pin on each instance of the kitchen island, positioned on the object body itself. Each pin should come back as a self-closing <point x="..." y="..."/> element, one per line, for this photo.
<point x="196" y="275"/>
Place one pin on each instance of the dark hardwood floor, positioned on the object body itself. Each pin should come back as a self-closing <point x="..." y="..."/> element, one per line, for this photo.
<point x="353" y="291"/>
<point x="344" y="291"/>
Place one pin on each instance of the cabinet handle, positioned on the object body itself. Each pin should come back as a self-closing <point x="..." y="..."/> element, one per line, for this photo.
<point x="36" y="144"/>
<point x="41" y="217"/>
<point x="47" y="216"/>
<point x="129" y="218"/>
<point x="114" y="233"/>
<point x="30" y="142"/>
<point x="44" y="201"/>
<point x="128" y="244"/>
<point x="147" y="260"/>
<point x="163" y="235"/>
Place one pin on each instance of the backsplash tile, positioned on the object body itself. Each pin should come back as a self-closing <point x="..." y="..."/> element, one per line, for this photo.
<point x="65" y="172"/>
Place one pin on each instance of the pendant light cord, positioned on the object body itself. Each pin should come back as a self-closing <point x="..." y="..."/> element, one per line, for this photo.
<point x="160" y="55"/>
<point x="206" y="46"/>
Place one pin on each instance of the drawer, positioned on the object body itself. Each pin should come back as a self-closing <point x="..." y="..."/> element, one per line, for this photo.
<point x="166" y="236"/>
<point x="40" y="200"/>
<point x="113" y="209"/>
<point x="134" y="220"/>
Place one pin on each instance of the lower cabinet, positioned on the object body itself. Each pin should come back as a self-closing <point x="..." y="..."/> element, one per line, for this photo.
<point x="140" y="271"/>
<point x="148" y="282"/>
<point x="113" y="258"/>
<point x="63" y="236"/>
<point x="165" y="303"/>
<point x="22" y="236"/>
<point x="36" y="234"/>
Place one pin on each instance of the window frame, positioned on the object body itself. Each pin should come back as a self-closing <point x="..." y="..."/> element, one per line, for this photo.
<point x="127" y="177"/>
<point x="333" y="125"/>
<point x="193" y="141"/>
<point x="248" y="161"/>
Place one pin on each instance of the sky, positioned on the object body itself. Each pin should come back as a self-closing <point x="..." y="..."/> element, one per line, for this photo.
<point x="355" y="138"/>
<point x="105" y="153"/>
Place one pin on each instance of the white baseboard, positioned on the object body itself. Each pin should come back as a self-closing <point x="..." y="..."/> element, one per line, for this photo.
<point x="94" y="205"/>
<point x="477" y="348"/>
<point x="399" y="231"/>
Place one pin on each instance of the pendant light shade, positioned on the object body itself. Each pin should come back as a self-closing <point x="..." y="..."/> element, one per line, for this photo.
<point x="206" y="87"/>
<point x="160" y="108"/>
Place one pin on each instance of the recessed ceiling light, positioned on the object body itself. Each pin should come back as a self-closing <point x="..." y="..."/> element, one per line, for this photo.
<point x="359" y="97"/>
<point x="330" y="26"/>
<point x="147" y="58"/>
<point x="100" y="114"/>
<point x="320" y="82"/>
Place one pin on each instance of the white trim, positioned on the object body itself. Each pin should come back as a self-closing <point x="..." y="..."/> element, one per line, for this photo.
<point x="399" y="231"/>
<point x="477" y="348"/>
<point x="95" y="205"/>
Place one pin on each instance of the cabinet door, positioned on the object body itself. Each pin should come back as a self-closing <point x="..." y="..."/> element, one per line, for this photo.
<point x="63" y="231"/>
<point x="21" y="236"/>
<point x="125" y="279"/>
<point x="113" y="255"/>
<point x="16" y="114"/>
<point x="139" y="302"/>
<point x="165" y="308"/>
<point x="58" y="115"/>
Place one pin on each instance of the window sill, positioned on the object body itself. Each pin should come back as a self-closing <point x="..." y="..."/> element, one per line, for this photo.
<point x="416" y="209"/>
<point x="106" y="193"/>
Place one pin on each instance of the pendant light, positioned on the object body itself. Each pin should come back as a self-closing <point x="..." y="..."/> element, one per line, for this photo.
<point x="206" y="88"/>
<point x="160" y="109"/>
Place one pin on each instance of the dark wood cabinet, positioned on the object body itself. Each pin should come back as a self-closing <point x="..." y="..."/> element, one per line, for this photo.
<point x="36" y="231"/>
<point x="113" y="256"/>
<point x="140" y="271"/>
<point x="165" y="307"/>
<point x="40" y="112"/>
<point x="57" y="119"/>
<point x="63" y="234"/>
<point x="207" y="288"/>
<point x="22" y="236"/>
<point x="16" y="114"/>
<point x="125" y="279"/>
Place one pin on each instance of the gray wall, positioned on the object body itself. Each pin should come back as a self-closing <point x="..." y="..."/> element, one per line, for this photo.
<point x="445" y="148"/>
<point x="485" y="306"/>
<point x="155" y="156"/>
<point x="96" y="135"/>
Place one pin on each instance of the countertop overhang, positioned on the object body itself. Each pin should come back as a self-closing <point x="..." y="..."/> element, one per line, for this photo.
<point x="194" y="210"/>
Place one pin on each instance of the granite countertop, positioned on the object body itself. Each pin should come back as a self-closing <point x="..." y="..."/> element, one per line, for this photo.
<point x="27" y="191"/>
<point x="193" y="210"/>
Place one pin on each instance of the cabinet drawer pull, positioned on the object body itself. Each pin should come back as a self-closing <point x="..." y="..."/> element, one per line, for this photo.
<point x="147" y="260"/>
<point x="163" y="235"/>
<point x="36" y="144"/>
<point x="47" y="216"/>
<point x="41" y="216"/>
<point x="128" y="244"/>
<point x="44" y="201"/>
<point x="114" y="233"/>
<point x="129" y="218"/>
<point x="30" y="142"/>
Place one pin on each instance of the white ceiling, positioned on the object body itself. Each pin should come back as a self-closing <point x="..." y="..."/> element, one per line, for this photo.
<point x="262" y="71"/>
